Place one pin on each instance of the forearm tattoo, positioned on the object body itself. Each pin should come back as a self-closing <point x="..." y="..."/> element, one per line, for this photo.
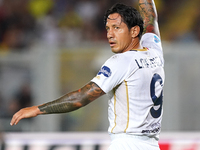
<point x="149" y="14"/>
<point x="73" y="100"/>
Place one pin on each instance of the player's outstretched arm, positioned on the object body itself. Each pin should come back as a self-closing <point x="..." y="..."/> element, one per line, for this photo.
<point x="67" y="103"/>
<point x="148" y="11"/>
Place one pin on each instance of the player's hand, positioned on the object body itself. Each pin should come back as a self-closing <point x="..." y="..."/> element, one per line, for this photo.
<point x="28" y="112"/>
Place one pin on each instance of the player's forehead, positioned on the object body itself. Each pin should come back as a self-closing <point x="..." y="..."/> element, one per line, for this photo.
<point x="114" y="18"/>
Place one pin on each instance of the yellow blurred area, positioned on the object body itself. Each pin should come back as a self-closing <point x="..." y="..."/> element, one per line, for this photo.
<point x="159" y="5"/>
<point x="181" y="20"/>
<point x="40" y="8"/>
<point x="70" y="20"/>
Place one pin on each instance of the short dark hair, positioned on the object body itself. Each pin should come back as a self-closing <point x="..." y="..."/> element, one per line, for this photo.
<point x="130" y="16"/>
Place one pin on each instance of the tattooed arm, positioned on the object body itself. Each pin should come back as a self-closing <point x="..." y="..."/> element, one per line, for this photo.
<point x="148" y="11"/>
<point x="67" y="103"/>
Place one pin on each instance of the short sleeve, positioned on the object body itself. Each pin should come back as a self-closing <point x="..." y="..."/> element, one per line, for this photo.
<point x="113" y="72"/>
<point x="151" y="40"/>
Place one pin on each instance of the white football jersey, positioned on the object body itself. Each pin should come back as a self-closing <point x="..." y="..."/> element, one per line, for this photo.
<point x="134" y="81"/>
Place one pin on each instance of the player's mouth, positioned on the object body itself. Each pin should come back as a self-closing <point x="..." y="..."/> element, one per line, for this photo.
<point x="112" y="43"/>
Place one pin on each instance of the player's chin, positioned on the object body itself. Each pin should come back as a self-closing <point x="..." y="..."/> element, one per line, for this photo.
<point x="115" y="50"/>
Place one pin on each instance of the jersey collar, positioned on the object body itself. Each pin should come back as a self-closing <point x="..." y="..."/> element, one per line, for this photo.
<point x="142" y="50"/>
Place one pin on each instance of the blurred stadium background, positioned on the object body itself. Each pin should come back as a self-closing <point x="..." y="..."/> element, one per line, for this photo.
<point x="51" y="47"/>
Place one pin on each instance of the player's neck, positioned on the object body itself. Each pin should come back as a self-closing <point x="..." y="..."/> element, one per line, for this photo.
<point x="136" y="44"/>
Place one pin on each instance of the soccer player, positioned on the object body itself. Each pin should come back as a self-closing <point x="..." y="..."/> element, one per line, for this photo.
<point x="133" y="78"/>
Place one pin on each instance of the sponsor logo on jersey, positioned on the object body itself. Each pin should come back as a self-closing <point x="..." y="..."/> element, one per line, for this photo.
<point x="105" y="71"/>
<point x="156" y="130"/>
<point x="156" y="39"/>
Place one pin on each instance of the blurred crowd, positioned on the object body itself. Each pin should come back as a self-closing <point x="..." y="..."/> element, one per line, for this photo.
<point x="63" y="22"/>
<point x="68" y="22"/>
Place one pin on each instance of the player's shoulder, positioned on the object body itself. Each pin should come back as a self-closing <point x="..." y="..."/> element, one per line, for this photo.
<point x="123" y="56"/>
<point x="120" y="58"/>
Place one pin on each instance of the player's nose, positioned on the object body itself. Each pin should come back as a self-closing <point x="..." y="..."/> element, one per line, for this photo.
<point x="110" y="34"/>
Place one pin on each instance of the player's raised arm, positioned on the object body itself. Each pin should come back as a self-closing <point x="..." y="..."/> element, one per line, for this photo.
<point x="67" y="103"/>
<point x="148" y="11"/>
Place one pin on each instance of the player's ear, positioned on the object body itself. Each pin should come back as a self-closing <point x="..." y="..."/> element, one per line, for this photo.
<point x="135" y="31"/>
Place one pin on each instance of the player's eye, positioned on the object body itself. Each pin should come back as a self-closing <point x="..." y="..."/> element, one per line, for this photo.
<point x="107" y="29"/>
<point x="116" y="27"/>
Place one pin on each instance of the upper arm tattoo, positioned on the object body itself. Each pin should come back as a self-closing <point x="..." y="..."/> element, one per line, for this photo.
<point x="73" y="100"/>
<point x="149" y="14"/>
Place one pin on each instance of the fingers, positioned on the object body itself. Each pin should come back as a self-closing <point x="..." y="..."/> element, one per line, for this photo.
<point x="16" y="118"/>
